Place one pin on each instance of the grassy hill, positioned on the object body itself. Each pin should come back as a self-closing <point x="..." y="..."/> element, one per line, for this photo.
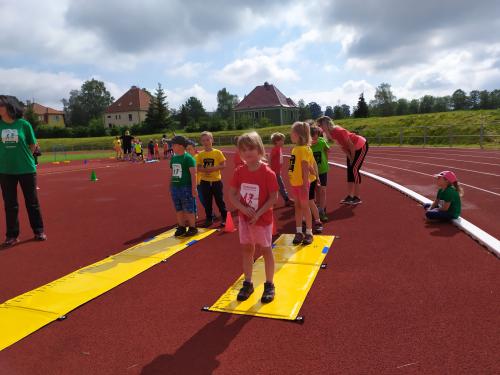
<point x="445" y="128"/>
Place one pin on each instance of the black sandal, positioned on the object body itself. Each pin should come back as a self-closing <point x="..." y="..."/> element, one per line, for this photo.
<point x="246" y="291"/>
<point x="268" y="294"/>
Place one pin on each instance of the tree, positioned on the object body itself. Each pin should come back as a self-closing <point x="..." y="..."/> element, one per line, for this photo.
<point x="346" y="110"/>
<point x="361" y="110"/>
<point x="315" y="110"/>
<point x="414" y="107"/>
<point x="226" y="103"/>
<point x="484" y="98"/>
<point x="87" y="103"/>
<point x="495" y="99"/>
<point x="459" y="100"/>
<point x="158" y="113"/>
<point x="329" y="112"/>
<point x="31" y="117"/>
<point x="337" y="112"/>
<point x="402" y="107"/>
<point x="304" y="111"/>
<point x="427" y="104"/>
<point x="384" y="100"/>
<point x="183" y="117"/>
<point x="195" y="110"/>
<point x="474" y="99"/>
<point x="442" y="104"/>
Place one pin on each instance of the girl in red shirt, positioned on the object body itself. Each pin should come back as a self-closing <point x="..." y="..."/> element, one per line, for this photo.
<point x="253" y="191"/>
<point x="355" y="147"/>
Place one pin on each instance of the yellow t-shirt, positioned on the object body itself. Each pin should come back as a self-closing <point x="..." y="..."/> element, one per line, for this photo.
<point x="117" y="143"/>
<point x="209" y="159"/>
<point x="138" y="148"/>
<point x="300" y="153"/>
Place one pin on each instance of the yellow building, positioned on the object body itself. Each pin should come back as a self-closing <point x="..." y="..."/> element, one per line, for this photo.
<point x="130" y="109"/>
<point x="49" y="116"/>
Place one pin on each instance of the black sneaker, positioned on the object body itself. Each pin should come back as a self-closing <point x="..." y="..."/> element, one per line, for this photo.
<point x="40" y="237"/>
<point x="268" y="294"/>
<point x="246" y="291"/>
<point x="347" y="200"/>
<point x="181" y="231"/>
<point x="308" y="239"/>
<point x="208" y="223"/>
<point x="317" y="227"/>
<point x="10" y="241"/>
<point x="356" y="200"/>
<point x="299" y="237"/>
<point x="192" y="231"/>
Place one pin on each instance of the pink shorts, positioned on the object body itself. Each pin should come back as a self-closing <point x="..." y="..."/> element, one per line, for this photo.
<point x="299" y="193"/>
<point x="255" y="234"/>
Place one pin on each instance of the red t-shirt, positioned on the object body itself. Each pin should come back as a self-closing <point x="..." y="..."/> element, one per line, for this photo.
<point x="341" y="135"/>
<point x="254" y="188"/>
<point x="276" y="159"/>
<point x="237" y="160"/>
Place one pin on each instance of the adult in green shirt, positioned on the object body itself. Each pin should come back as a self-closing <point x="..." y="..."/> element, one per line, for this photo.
<point x="17" y="166"/>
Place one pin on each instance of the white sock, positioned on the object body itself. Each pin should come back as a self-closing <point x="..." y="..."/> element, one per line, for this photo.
<point x="309" y="231"/>
<point x="299" y="230"/>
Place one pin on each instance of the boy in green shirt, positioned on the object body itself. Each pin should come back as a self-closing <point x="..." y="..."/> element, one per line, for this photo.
<point x="320" y="147"/>
<point x="183" y="187"/>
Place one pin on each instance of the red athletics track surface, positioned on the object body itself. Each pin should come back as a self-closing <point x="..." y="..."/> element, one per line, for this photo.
<point x="478" y="170"/>
<point x="397" y="297"/>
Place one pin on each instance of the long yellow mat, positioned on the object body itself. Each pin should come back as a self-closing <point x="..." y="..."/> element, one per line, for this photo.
<point x="24" y="314"/>
<point x="296" y="269"/>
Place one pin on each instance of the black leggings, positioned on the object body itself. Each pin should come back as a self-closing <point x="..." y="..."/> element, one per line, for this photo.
<point x="209" y="190"/>
<point x="9" y="183"/>
<point x="353" y="168"/>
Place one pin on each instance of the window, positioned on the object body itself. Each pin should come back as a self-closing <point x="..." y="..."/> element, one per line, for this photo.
<point x="110" y="126"/>
<point x="56" y="118"/>
<point x="119" y="104"/>
<point x="109" y="116"/>
<point x="256" y="115"/>
<point x="262" y="114"/>
<point x="130" y="116"/>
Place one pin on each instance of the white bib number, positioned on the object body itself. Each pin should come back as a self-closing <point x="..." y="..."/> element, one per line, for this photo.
<point x="177" y="170"/>
<point x="10" y="136"/>
<point x="250" y="195"/>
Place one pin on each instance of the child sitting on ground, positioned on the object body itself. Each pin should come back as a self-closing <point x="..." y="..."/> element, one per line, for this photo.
<point x="254" y="191"/>
<point x="276" y="162"/>
<point x="447" y="205"/>
<point x="183" y="187"/>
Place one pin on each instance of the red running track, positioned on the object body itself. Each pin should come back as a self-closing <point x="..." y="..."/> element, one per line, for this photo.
<point x="397" y="296"/>
<point x="477" y="170"/>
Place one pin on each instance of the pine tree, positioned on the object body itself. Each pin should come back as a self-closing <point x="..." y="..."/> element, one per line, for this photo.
<point x="158" y="113"/>
<point x="362" y="108"/>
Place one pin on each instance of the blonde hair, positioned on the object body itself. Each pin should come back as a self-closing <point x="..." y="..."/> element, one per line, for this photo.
<point x="458" y="188"/>
<point x="303" y="133"/>
<point x="252" y="141"/>
<point x="325" y="119"/>
<point x="208" y="134"/>
<point x="275" y="137"/>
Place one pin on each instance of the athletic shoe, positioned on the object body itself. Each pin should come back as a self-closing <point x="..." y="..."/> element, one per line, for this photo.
<point x="181" y="231"/>
<point x="223" y="224"/>
<point x="40" y="237"/>
<point x="308" y="239"/>
<point x="268" y="294"/>
<point x="346" y="200"/>
<point x="356" y="200"/>
<point x="192" y="231"/>
<point x="317" y="227"/>
<point x="208" y="223"/>
<point x="246" y="291"/>
<point x="299" y="237"/>
<point x="10" y="241"/>
<point x="323" y="216"/>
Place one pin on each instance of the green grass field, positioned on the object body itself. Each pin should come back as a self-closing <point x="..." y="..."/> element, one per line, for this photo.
<point x="434" y="129"/>
<point x="50" y="157"/>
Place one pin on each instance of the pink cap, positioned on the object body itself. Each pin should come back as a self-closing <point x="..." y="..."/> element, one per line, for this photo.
<point x="447" y="175"/>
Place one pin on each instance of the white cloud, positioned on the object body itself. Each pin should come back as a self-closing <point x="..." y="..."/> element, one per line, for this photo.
<point x="178" y="96"/>
<point x="187" y="69"/>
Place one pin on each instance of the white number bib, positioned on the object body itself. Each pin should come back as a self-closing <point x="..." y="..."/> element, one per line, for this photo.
<point x="177" y="170"/>
<point x="10" y="136"/>
<point x="250" y="195"/>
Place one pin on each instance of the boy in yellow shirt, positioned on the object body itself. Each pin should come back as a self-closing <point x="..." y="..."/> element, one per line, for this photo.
<point x="210" y="162"/>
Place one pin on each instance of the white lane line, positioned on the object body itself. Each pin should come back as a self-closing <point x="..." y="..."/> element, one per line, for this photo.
<point x="430" y="175"/>
<point x="437" y="165"/>
<point x="46" y="173"/>
<point x="436" y="152"/>
<point x="440" y="158"/>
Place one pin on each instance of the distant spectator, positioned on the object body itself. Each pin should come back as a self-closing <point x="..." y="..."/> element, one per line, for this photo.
<point x="127" y="144"/>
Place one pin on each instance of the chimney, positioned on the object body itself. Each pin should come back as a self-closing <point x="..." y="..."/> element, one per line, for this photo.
<point x="266" y="85"/>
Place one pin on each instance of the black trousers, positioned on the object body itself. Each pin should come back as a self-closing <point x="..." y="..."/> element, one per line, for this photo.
<point x="9" y="182"/>
<point x="213" y="189"/>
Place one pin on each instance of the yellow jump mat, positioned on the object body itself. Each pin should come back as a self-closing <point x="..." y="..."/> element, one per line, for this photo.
<point x="295" y="270"/>
<point x="24" y="314"/>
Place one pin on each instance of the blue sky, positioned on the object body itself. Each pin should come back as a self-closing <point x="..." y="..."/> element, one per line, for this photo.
<point x="316" y="50"/>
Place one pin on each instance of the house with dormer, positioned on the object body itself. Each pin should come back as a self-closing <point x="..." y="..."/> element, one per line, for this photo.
<point x="130" y="109"/>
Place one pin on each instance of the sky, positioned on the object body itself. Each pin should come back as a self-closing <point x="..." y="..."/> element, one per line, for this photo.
<point x="327" y="51"/>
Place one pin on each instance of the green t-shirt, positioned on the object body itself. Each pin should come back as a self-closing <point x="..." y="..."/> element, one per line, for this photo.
<point x="15" y="155"/>
<point x="320" y="152"/>
<point x="450" y="195"/>
<point x="180" y="165"/>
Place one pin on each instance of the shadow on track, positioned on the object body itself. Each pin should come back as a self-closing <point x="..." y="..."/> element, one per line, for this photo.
<point x="149" y="234"/>
<point x="199" y="354"/>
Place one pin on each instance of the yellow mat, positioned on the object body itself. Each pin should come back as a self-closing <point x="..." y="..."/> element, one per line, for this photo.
<point x="24" y="314"/>
<point x="296" y="269"/>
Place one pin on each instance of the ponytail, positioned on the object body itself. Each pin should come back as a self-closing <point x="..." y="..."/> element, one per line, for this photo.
<point x="458" y="188"/>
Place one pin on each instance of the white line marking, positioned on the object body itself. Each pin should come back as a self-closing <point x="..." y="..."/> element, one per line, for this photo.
<point x="437" y="165"/>
<point x="407" y="154"/>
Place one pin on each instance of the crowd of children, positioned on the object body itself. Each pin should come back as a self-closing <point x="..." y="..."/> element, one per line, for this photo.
<point x="256" y="184"/>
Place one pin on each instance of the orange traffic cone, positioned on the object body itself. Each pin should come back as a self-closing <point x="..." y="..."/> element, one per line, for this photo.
<point x="229" y="223"/>
<point x="275" y="230"/>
